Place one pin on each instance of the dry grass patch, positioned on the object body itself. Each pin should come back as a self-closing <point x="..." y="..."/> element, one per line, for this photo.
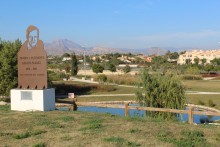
<point x="92" y="129"/>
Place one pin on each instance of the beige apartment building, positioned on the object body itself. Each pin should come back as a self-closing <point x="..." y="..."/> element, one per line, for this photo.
<point x="201" y="54"/>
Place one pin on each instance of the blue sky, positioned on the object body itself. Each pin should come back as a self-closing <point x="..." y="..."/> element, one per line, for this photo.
<point x="116" y="23"/>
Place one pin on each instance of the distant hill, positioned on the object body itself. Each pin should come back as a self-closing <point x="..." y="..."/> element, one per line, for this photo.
<point x="61" y="46"/>
<point x="104" y="50"/>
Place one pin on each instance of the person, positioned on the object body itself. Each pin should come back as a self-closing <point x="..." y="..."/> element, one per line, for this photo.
<point x="32" y="61"/>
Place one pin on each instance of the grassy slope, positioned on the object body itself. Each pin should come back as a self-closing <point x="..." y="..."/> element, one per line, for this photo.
<point x="67" y="128"/>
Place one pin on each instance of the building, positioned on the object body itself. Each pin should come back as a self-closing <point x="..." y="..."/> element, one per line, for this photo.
<point x="200" y="54"/>
<point x="66" y="58"/>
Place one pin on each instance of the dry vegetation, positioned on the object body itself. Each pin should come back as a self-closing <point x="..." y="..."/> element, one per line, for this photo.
<point x="68" y="128"/>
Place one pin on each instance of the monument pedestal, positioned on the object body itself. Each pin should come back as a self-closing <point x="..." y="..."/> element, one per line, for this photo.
<point x="33" y="100"/>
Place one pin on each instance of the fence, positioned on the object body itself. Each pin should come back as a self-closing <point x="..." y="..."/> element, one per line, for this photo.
<point x="126" y="106"/>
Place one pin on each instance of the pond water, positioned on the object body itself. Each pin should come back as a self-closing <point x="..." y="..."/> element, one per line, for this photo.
<point x="141" y="113"/>
<point x="117" y="111"/>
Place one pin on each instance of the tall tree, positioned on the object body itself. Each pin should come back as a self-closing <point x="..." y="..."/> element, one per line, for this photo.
<point x="188" y="61"/>
<point x="203" y="61"/>
<point x="8" y="66"/>
<point x="215" y="61"/>
<point x="74" y="65"/>
<point x="196" y="61"/>
<point x="66" y="55"/>
<point x="158" y="60"/>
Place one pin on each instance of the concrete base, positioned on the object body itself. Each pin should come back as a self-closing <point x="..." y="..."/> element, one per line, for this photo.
<point x="33" y="100"/>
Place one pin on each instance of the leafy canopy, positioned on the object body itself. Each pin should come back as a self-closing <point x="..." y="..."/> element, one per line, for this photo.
<point x="8" y="66"/>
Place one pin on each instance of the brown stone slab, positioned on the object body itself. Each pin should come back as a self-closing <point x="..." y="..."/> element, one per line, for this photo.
<point x="32" y="62"/>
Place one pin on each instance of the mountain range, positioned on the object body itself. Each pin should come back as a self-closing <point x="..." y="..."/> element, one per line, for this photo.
<point x="61" y="46"/>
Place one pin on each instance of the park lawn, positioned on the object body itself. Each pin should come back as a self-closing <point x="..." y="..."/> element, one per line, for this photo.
<point x="195" y="98"/>
<point x="202" y="85"/>
<point x="117" y="90"/>
<point x="81" y="88"/>
<point x="195" y="85"/>
<point x="99" y="99"/>
<point x="71" y="128"/>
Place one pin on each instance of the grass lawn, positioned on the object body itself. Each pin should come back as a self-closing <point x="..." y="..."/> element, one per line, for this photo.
<point x="195" y="98"/>
<point x="81" y="88"/>
<point x="68" y="128"/>
<point x="192" y="85"/>
<point x="202" y="85"/>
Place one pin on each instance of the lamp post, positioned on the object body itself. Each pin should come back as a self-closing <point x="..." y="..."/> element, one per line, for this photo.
<point x="84" y="63"/>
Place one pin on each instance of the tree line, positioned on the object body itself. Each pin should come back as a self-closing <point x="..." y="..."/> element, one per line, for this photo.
<point x="8" y="65"/>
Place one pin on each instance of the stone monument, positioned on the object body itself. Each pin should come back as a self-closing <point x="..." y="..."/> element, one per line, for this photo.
<point x="32" y="93"/>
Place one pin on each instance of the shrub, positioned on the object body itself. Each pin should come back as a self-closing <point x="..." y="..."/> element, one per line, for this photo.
<point x="126" y="69"/>
<point x="97" y="68"/>
<point x="211" y="103"/>
<point x="122" y="80"/>
<point x="201" y="102"/>
<point x="102" y="78"/>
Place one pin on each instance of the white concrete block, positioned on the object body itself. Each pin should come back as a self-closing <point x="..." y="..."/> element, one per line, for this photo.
<point x="33" y="100"/>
